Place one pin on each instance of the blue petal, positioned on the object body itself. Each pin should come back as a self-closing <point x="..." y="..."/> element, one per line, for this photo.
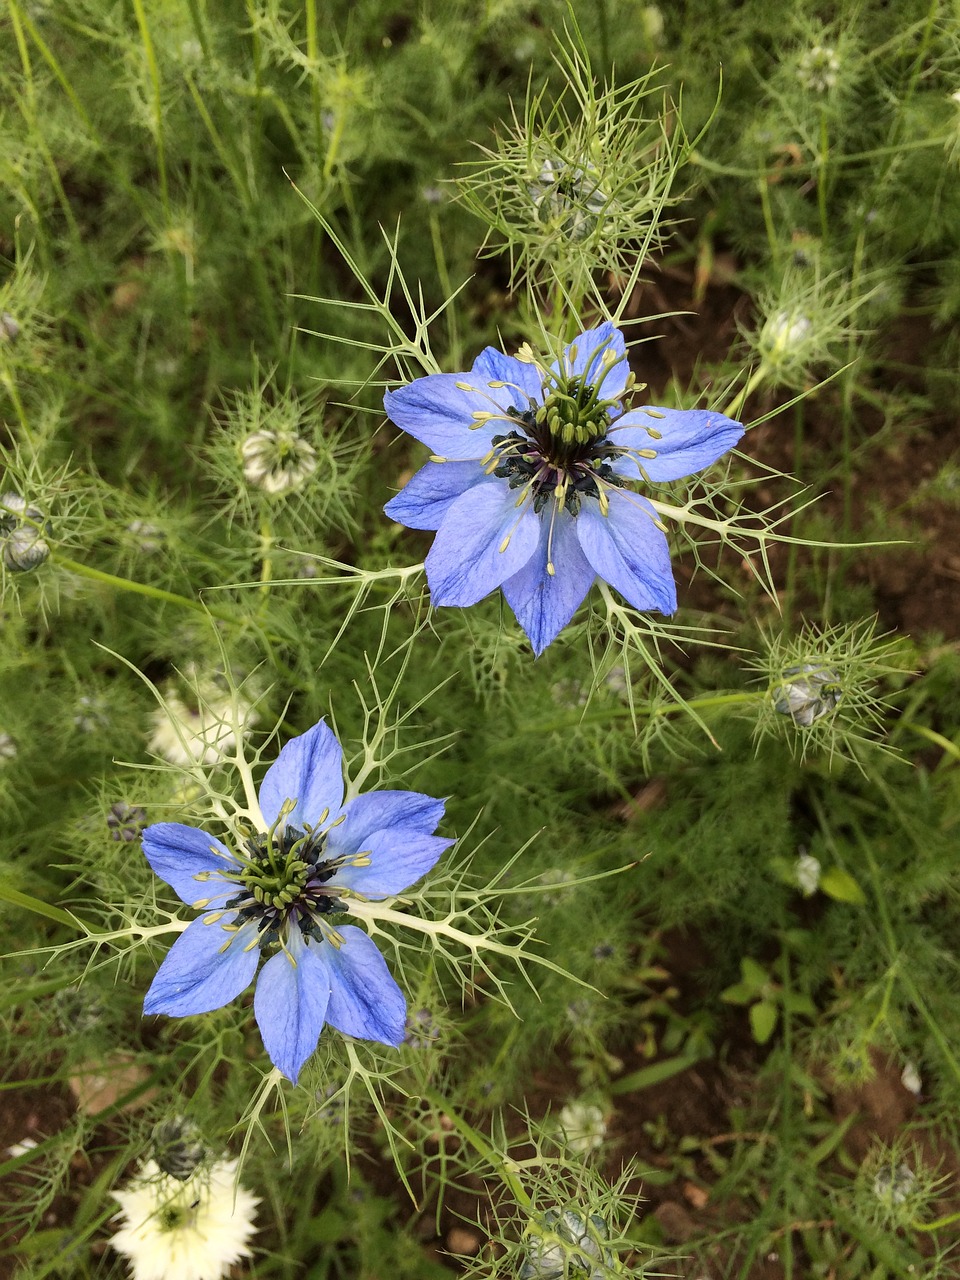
<point x="398" y="857"/>
<point x="425" y="499"/>
<point x="544" y="603"/>
<point x="438" y="412"/>
<point x="291" y="1005"/>
<point x="198" y="975"/>
<point x="178" y="854"/>
<point x="380" y="809"/>
<point x="466" y="562"/>
<point x="309" y="770"/>
<point x="524" y="381"/>
<point x="691" y="439"/>
<point x="364" y="999"/>
<point x="627" y="549"/>
<point x="584" y="357"/>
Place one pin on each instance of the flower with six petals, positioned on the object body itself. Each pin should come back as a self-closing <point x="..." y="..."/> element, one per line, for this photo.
<point x="282" y="892"/>
<point x="527" y="487"/>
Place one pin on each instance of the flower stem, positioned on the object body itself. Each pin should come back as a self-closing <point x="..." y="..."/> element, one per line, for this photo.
<point x="143" y="589"/>
<point x="503" y="1168"/>
<point x="40" y="908"/>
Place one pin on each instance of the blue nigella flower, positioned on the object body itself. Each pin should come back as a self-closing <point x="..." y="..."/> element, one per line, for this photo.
<point x="527" y="486"/>
<point x="282" y="893"/>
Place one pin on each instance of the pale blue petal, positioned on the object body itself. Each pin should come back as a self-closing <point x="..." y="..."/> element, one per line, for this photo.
<point x="627" y="549"/>
<point x="178" y="854"/>
<point x="398" y="858"/>
<point x="468" y="559"/>
<point x="544" y="603"/>
<point x="291" y="1004"/>
<point x="584" y="358"/>
<point x="364" y="999"/>
<point x="426" y="498"/>
<point x="691" y="439"/>
<point x="439" y="412"/>
<point x="523" y="381"/>
<point x="309" y="770"/>
<point x="198" y="974"/>
<point x="383" y="809"/>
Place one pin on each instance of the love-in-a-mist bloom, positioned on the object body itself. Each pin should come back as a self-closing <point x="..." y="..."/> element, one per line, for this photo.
<point x="528" y="486"/>
<point x="184" y="1229"/>
<point x="283" y="892"/>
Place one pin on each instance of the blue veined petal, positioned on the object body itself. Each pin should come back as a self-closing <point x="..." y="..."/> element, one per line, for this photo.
<point x="426" y="498"/>
<point x="364" y="999"/>
<point x="290" y="1004"/>
<point x="398" y="858"/>
<point x="438" y="412"/>
<point x="201" y="971"/>
<point x="366" y="814"/>
<point x="544" y="603"/>
<point x="524" y="381"/>
<point x="691" y="440"/>
<point x="177" y="853"/>
<point x="627" y="549"/>
<point x="466" y="562"/>
<point x="584" y="358"/>
<point x="309" y="770"/>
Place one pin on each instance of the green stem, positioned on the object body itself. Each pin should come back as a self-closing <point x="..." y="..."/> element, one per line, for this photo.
<point x="158" y="110"/>
<point x="143" y="589"/>
<point x="503" y="1168"/>
<point x="40" y="908"/>
<point x="738" y="403"/>
<point x="266" y="562"/>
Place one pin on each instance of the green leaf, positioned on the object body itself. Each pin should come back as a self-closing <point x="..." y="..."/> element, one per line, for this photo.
<point x="654" y="1074"/>
<point x="841" y="886"/>
<point x="763" y="1019"/>
<point x="797" y="1002"/>
<point x="754" y="973"/>
<point x="739" y="993"/>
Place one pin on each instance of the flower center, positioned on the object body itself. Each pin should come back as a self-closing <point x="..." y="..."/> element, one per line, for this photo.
<point x="559" y="449"/>
<point x="284" y="878"/>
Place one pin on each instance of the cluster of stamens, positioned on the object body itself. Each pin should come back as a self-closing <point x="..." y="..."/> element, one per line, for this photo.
<point x="558" y="450"/>
<point x="284" y="878"/>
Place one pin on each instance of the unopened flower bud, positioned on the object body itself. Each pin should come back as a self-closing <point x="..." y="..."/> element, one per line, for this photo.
<point x="177" y="1148"/>
<point x="126" y="821"/>
<point x="9" y="329"/>
<point x="563" y="1245"/>
<point x="893" y="1184"/>
<point x="568" y="197"/>
<point x="808" y="693"/>
<point x="21" y="534"/>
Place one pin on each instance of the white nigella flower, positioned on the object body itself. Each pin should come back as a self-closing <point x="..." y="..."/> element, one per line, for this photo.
<point x="807" y="872"/>
<point x="277" y="462"/>
<point x="818" y="68"/>
<point x="910" y="1079"/>
<point x="583" y="1126"/>
<point x="184" y="1230"/>
<point x="201" y="731"/>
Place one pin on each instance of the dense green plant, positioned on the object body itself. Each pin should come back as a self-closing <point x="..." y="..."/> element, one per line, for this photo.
<point x="716" y="842"/>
